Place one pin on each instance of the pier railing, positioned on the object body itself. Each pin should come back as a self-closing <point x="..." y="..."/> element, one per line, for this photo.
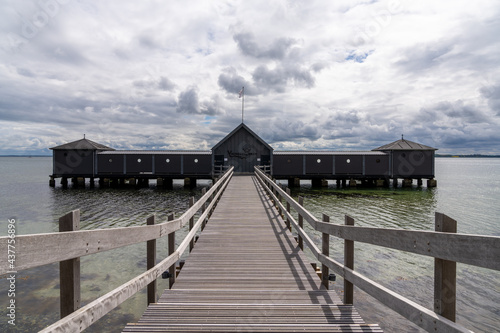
<point x="68" y="246"/>
<point x="444" y="244"/>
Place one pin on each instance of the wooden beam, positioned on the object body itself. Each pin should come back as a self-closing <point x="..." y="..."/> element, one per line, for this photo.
<point x="325" y="250"/>
<point x="301" y="224"/>
<point x="151" y="261"/>
<point x="349" y="263"/>
<point x="445" y="274"/>
<point x="69" y="270"/>
<point x="171" y="251"/>
<point x="191" y="223"/>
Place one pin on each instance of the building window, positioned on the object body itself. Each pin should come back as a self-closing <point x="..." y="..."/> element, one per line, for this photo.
<point x="348" y="161"/>
<point x="167" y="160"/>
<point x="138" y="160"/>
<point x="377" y="160"/>
<point x="195" y="160"/>
<point x="110" y="160"/>
<point x="318" y="160"/>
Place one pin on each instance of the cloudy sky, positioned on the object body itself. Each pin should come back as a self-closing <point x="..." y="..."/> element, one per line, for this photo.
<point x="345" y="74"/>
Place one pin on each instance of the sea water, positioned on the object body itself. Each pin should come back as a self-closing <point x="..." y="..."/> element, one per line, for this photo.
<point x="468" y="190"/>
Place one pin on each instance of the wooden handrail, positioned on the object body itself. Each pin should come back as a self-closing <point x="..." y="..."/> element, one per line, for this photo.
<point x="476" y="250"/>
<point x="89" y="314"/>
<point x="42" y="249"/>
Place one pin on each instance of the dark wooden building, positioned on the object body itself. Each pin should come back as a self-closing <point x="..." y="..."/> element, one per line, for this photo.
<point x="244" y="149"/>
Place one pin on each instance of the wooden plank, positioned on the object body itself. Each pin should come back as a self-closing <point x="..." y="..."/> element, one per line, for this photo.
<point x="171" y="251"/>
<point x="325" y="250"/>
<point x="69" y="270"/>
<point x="349" y="263"/>
<point x="151" y="261"/>
<point x="476" y="250"/>
<point x="87" y="315"/>
<point x="42" y="249"/>
<point x="445" y="274"/>
<point x="246" y="272"/>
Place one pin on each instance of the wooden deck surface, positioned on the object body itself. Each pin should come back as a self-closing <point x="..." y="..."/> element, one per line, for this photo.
<point x="247" y="273"/>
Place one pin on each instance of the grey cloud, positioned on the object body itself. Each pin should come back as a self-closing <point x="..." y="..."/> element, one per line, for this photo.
<point x="292" y="130"/>
<point x="277" y="79"/>
<point x="277" y="50"/>
<point x="464" y="113"/>
<point x="189" y="103"/>
<point x="231" y="82"/>
<point x="492" y="94"/>
<point x="166" y="84"/>
<point x="25" y="72"/>
<point x="421" y="57"/>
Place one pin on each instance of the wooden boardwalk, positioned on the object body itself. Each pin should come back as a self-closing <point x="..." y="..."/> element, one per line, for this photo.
<point x="247" y="273"/>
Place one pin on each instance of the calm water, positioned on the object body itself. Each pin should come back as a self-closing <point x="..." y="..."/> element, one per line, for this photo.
<point x="468" y="191"/>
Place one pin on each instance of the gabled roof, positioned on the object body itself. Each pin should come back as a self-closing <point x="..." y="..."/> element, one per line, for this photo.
<point x="242" y="125"/>
<point x="404" y="145"/>
<point x="82" y="144"/>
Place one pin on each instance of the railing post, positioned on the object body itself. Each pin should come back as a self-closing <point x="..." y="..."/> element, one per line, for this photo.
<point x="301" y="224"/>
<point x="191" y="224"/>
<point x="171" y="250"/>
<point x="445" y="274"/>
<point x="325" y="272"/>
<point x="288" y="210"/>
<point x="151" y="261"/>
<point x="349" y="263"/>
<point x="203" y="208"/>
<point x="69" y="270"/>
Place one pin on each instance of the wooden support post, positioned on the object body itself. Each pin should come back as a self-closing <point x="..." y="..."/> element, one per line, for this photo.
<point x="191" y="224"/>
<point x="288" y="224"/>
<point x="69" y="270"/>
<point x="203" y="208"/>
<point x="151" y="261"/>
<point x="52" y="181"/>
<point x="325" y="248"/>
<point x="171" y="250"/>
<point x="445" y="274"/>
<point x="349" y="263"/>
<point x="301" y="224"/>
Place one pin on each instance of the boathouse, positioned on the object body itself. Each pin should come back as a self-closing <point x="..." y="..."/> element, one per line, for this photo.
<point x="244" y="149"/>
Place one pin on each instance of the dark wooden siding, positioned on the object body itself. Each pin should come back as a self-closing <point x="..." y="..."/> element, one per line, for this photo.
<point x="243" y="151"/>
<point x="349" y="164"/>
<point x="413" y="163"/>
<point x="73" y="162"/>
<point x="139" y="163"/>
<point x="197" y="164"/>
<point x="110" y="164"/>
<point x="377" y="165"/>
<point x="288" y="165"/>
<point x="319" y="164"/>
<point x="168" y="164"/>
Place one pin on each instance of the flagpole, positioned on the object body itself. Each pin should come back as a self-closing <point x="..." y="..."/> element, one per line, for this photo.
<point x="242" y="103"/>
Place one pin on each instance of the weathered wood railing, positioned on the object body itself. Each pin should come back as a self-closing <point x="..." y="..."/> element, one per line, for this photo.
<point x="444" y="244"/>
<point x="67" y="247"/>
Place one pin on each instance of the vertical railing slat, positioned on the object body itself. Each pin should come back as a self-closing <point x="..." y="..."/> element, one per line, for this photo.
<point x="349" y="263"/>
<point x="325" y="248"/>
<point x="151" y="261"/>
<point x="445" y="274"/>
<point x="301" y="224"/>
<point x="69" y="270"/>
<point x="171" y="250"/>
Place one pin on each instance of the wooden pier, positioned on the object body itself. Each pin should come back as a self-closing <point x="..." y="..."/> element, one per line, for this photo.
<point x="247" y="273"/>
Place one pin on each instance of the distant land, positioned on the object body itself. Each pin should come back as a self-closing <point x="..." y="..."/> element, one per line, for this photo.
<point x="437" y="155"/>
<point x="468" y="156"/>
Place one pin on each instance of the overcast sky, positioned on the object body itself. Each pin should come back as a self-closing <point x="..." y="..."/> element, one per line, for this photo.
<point x="343" y="75"/>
